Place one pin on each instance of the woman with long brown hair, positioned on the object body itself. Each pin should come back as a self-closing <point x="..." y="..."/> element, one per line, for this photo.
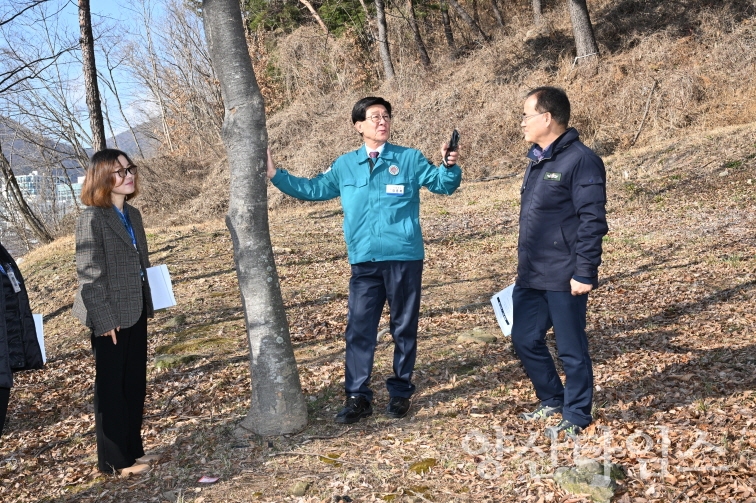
<point x="114" y="301"/>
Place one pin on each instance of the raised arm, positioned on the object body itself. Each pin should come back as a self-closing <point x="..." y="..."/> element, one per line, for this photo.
<point x="444" y="179"/>
<point x="321" y="188"/>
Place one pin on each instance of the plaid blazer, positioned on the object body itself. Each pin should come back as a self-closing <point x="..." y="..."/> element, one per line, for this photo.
<point x="112" y="291"/>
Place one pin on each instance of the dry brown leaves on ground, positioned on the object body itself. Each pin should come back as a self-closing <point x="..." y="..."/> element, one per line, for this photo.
<point x="671" y="332"/>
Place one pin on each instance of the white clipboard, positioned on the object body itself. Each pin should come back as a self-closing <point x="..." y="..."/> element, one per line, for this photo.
<point x="502" y="305"/>
<point x="161" y="287"/>
<point x="39" y="327"/>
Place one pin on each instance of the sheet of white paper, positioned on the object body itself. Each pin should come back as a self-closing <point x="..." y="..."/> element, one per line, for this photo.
<point x="40" y="334"/>
<point x="502" y="305"/>
<point x="161" y="287"/>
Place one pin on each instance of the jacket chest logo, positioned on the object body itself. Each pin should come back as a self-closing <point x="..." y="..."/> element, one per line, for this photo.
<point x="394" y="170"/>
<point x="552" y="177"/>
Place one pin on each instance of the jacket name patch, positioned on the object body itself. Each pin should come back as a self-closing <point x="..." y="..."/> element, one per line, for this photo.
<point x="552" y="177"/>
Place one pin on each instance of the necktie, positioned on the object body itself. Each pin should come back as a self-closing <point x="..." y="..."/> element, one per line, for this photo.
<point x="372" y="156"/>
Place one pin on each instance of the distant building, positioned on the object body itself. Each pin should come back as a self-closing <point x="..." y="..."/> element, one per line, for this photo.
<point x="31" y="185"/>
<point x="48" y="190"/>
<point x="66" y="195"/>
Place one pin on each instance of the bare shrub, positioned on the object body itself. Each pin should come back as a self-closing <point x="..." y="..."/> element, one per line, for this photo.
<point x="702" y="63"/>
<point x="313" y="64"/>
<point x="174" y="66"/>
<point x="166" y="184"/>
<point x="268" y="78"/>
<point x="212" y="201"/>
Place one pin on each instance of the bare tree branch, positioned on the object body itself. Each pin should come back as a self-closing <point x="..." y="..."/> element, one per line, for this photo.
<point x="14" y="193"/>
<point x="17" y="71"/>
<point x="315" y="15"/>
<point x="21" y="11"/>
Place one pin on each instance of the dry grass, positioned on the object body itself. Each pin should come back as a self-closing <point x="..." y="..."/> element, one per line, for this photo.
<point x="672" y="329"/>
<point x="672" y="335"/>
<point x="701" y="62"/>
<point x="700" y="54"/>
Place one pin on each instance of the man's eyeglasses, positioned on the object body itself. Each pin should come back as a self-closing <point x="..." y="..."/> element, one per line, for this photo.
<point x="377" y="118"/>
<point x="131" y="170"/>
<point x="526" y="118"/>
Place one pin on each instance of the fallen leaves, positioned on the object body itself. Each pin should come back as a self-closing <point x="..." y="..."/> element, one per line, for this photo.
<point x="423" y="466"/>
<point x="672" y="333"/>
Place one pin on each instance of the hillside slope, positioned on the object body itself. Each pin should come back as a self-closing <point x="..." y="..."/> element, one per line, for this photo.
<point x="666" y="71"/>
<point x="672" y="333"/>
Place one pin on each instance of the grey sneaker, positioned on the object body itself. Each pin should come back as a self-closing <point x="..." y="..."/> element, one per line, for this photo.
<point x="541" y="413"/>
<point x="570" y="430"/>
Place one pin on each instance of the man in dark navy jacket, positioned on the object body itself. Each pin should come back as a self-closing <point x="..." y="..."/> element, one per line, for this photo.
<point x="562" y="224"/>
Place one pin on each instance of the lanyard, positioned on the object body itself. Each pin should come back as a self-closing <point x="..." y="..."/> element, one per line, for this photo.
<point x="124" y="216"/>
<point x="11" y="277"/>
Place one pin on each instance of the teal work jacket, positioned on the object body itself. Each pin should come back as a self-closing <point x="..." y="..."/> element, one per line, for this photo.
<point x="382" y="207"/>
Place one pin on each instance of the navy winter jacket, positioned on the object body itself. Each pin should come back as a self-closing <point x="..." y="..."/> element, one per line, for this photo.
<point x="19" y="349"/>
<point x="562" y="216"/>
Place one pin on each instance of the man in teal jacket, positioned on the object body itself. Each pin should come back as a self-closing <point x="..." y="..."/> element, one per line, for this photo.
<point x="379" y="185"/>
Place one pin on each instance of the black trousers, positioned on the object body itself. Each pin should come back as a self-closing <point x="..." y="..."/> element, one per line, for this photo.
<point x="120" y="390"/>
<point x="4" y="397"/>
<point x="371" y="285"/>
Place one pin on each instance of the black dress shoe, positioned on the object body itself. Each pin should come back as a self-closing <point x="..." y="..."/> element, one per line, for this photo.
<point x="355" y="408"/>
<point x="398" y="407"/>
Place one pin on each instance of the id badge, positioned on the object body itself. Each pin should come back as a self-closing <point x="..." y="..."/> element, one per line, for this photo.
<point x="12" y="278"/>
<point x="395" y="190"/>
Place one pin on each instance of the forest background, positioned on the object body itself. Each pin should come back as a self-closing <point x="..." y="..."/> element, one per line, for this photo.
<point x="667" y="102"/>
<point x="664" y="71"/>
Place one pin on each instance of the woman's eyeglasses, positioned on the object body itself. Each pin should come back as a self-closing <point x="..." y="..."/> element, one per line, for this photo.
<point x="131" y="170"/>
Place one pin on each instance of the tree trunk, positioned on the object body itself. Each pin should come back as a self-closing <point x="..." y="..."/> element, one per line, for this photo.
<point x="448" y="33"/>
<point x="497" y="13"/>
<point x="277" y="405"/>
<point x="156" y="80"/>
<point x="315" y="15"/>
<point x="90" y="77"/>
<point x="18" y="203"/>
<point x="467" y="19"/>
<point x="538" y="12"/>
<point x="582" y="29"/>
<point x="412" y="20"/>
<point x="383" y="46"/>
<point x="114" y="89"/>
<point x="365" y="8"/>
